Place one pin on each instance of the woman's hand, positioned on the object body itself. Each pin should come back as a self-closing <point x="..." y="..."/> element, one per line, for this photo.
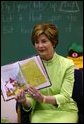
<point x="35" y="94"/>
<point x="41" y="98"/>
<point x="20" y="96"/>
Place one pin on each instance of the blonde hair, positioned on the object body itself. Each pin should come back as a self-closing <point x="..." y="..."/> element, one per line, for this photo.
<point x="49" y="30"/>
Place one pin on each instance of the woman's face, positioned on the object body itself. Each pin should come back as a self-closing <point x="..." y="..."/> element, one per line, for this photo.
<point x="44" y="47"/>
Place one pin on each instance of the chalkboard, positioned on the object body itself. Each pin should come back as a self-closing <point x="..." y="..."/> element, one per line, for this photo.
<point x="19" y="17"/>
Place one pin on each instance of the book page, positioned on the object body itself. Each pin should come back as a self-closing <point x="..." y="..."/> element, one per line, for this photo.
<point x="33" y="73"/>
<point x="11" y="80"/>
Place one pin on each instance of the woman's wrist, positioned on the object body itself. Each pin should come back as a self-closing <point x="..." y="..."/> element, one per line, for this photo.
<point x="24" y="103"/>
<point x="44" y="99"/>
<point x="49" y="100"/>
<point x="26" y="106"/>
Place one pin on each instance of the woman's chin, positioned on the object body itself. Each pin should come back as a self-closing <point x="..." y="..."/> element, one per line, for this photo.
<point x="42" y="55"/>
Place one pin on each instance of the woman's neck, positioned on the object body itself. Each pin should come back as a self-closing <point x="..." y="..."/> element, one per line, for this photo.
<point x="48" y="57"/>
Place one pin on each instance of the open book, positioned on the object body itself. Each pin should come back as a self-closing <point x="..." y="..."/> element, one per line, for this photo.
<point x="23" y="73"/>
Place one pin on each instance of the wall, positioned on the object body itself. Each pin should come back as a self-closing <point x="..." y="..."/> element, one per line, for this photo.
<point x="19" y="17"/>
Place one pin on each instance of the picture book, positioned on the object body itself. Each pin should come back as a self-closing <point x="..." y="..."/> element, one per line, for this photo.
<point x="23" y="73"/>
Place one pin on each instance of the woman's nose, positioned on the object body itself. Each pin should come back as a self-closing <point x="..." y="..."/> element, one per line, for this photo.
<point x="40" y="45"/>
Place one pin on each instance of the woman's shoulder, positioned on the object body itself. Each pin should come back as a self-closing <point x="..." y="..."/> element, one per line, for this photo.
<point x="65" y="60"/>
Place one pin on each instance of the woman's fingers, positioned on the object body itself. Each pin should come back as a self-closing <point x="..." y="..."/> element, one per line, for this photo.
<point x="20" y="96"/>
<point x="33" y="91"/>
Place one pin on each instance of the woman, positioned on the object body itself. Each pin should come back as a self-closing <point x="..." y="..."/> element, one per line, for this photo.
<point x="52" y="104"/>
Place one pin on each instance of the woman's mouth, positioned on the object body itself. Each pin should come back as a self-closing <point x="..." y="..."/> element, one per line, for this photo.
<point x="42" y="50"/>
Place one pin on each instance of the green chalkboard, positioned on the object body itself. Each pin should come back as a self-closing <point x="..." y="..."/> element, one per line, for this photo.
<point x="19" y="17"/>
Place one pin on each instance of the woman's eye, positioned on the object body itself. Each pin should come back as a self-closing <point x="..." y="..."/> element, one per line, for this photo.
<point x="44" y="41"/>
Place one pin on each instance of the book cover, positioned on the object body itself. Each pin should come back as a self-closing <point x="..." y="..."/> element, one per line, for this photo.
<point x="17" y="75"/>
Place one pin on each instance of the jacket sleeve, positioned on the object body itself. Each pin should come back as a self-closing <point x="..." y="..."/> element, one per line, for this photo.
<point x="67" y="86"/>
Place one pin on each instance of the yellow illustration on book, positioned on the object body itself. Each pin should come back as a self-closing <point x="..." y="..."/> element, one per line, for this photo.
<point x="32" y="73"/>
